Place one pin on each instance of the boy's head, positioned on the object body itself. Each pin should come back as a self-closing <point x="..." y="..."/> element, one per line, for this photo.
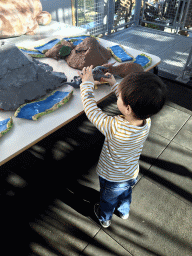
<point x="144" y="92"/>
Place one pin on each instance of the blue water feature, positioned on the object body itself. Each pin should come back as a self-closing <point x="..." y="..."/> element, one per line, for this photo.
<point x="31" y="109"/>
<point x="142" y="60"/>
<point x="120" y="53"/>
<point x="76" y="37"/>
<point x="78" y="41"/>
<point x="47" y="46"/>
<point x="3" y="124"/>
<point x="75" y="43"/>
<point x="53" y="42"/>
<point x="32" y="52"/>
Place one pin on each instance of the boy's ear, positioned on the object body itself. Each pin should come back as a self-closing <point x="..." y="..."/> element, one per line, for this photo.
<point x="129" y="110"/>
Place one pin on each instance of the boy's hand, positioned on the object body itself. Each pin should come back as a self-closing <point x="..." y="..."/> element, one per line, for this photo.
<point x="111" y="80"/>
<point x="86" y="74"/>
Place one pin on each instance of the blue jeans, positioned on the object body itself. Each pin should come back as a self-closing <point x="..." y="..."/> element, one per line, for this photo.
<point x="115" y="195"/>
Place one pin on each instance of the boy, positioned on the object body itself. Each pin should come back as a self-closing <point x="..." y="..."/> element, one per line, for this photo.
<point x="140" y="95"/>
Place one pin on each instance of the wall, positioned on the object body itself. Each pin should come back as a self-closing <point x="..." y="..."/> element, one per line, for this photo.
<point x="59" y="9"/>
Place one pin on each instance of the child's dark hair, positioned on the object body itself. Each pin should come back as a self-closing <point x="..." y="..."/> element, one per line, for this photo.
<point x="144" y="92"/>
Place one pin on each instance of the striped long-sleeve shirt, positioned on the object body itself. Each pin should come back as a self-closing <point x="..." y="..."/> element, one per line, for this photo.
<point x="119" y="159"/>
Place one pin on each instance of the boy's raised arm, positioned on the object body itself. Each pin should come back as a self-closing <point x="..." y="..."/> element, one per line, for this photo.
<point x="102" y="121"/>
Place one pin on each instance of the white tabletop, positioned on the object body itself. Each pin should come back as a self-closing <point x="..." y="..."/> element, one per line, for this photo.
<point x="26" y="133"/>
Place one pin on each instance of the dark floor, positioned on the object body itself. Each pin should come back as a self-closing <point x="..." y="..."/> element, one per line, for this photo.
<point x="48" y="191"/>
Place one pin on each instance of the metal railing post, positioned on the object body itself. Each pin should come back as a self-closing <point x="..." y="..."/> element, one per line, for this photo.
<point x="76" y="12"/>
<point x="110" y="16"/>
<point x="186" y="13"/>
<point x="137" y="11"/>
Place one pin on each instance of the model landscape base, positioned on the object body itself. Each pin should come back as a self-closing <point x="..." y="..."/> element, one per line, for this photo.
<point x="28" y="85"/>
<point x="23" y="79"/>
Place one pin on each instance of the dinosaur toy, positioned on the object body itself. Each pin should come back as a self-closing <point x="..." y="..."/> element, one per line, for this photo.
<point x="98" y="73"/>
<point x="75" y="82"/>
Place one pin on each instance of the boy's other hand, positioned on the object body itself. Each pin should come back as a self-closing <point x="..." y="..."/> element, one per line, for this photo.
<point x="111" y="80"/>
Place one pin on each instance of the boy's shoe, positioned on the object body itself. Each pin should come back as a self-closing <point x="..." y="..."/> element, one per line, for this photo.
<point x="124" y="217"/>
<point x="120" y="215"/>
<point x="104" y="224"/>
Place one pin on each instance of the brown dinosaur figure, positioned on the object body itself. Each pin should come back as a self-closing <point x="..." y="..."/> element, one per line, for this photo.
<point x="123" y="69"/>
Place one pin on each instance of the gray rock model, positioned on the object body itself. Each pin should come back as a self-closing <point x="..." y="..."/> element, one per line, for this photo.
<point x="23" y="78"/>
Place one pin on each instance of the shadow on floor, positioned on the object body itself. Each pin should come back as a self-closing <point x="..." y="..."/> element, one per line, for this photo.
<point x="179" y="94"/>
<point x="49" y="170"/>
<point x="169" y="167"/>
<point x="28" y="191"/>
